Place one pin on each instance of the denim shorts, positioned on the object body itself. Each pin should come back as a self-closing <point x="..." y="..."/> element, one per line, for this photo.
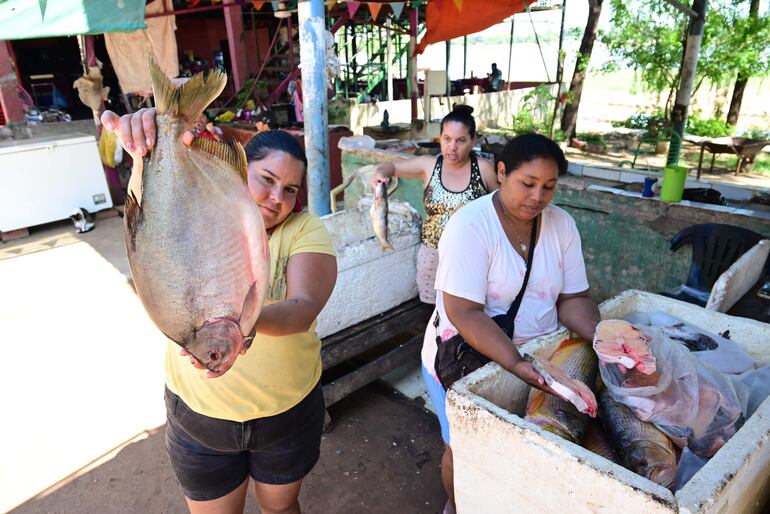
<point x="211" y="457"/>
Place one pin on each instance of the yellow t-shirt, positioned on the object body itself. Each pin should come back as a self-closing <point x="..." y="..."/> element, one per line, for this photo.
<point x="276" y="373"/>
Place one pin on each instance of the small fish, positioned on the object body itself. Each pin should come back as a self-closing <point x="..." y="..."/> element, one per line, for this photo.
<point x="379" y="214"/>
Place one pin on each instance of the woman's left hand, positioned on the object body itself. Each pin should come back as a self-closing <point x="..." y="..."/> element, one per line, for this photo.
<point x="526" y="372"/>
<point x="196" y="364"/>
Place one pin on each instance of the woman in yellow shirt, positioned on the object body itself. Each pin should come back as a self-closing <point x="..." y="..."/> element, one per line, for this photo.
<point x="263" y="417"/>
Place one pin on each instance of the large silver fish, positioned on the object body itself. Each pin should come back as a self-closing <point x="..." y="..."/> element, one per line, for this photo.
<point x="642" y="448"/>
<point x="379" y="214"/>
<point x="195" y="239"/>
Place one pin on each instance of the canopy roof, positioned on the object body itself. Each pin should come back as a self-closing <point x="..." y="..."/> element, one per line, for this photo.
<point x="26" y="19"/>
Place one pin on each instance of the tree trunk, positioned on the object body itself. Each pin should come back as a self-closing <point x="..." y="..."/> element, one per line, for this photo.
<point x="737" y="99"/>
<point x="569" y="116"/>
<point x="742" y="80"/>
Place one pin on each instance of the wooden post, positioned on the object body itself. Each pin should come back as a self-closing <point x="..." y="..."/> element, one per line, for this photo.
<point x="389" y="59"/>
<point x="412" y="69"/>
<point x="510" y="51"/>
<point x="687" y="80"/>
<point x="238" y="62"/>
<point x="9" y="82"/>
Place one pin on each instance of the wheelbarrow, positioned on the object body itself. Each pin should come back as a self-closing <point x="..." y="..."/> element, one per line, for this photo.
<point x="746" y="149"/>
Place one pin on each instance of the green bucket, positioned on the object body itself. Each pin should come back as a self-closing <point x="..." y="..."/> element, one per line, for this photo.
<point x="673" y="183"/>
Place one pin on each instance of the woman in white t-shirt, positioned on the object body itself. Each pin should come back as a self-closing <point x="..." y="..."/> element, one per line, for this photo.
<point x="482" y="263"/>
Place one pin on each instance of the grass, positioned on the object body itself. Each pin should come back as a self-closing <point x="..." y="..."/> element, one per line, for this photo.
<point x="728" y="162"/>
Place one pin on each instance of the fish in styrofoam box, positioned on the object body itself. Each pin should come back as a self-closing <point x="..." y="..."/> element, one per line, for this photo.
<point x="503" y="463"/>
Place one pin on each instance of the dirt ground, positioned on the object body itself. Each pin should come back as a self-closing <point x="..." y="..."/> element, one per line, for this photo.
<point x="382" y="455"/>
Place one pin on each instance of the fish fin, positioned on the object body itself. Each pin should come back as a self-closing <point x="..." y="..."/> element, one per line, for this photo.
<point x="134" y="215"/>
<point x="386" y="246"/>
<point x="188" y="100"/>
<point x="250" y="305"/>
<point x="231" y="152"/>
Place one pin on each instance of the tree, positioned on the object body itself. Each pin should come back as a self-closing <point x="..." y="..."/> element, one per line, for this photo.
<point x="649" y="35"/>
<point x="569" y="116"/>
<point x="755" y="32"/>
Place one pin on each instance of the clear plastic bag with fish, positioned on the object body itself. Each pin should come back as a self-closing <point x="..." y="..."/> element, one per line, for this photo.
<point x="694" y="404"/>
<point x="753" y="388"/>
<point x="713" y="349"/>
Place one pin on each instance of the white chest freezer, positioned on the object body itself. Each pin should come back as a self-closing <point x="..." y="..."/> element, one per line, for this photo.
<point x="45" y="179"/>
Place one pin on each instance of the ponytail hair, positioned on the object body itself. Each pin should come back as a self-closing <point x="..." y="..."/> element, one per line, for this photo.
<point x="462" y="114"/>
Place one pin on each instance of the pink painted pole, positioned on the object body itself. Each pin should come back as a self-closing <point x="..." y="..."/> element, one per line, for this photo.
<point x="234" y="26"/>
<point x="9" y="93"/>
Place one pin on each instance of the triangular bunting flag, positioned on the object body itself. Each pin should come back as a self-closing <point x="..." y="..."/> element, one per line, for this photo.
<point x="276" y="5"/>
<point x="397" y="8"/>
<point x="257" y="5"/>
<point x="353" y="7"/>
<point x="458" y="4"/>
<point x="330" y="3"/>
<point x="374" y="9"/>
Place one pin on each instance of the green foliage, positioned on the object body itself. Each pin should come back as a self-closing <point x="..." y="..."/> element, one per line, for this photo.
<point x="757" y="133"/>
<point x="643" y="120"/>
<point x="649" y="36"/>
<point x="535" y="112"/>
<point x="708" y="128"/>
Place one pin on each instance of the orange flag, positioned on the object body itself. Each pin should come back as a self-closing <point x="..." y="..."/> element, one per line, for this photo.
<point x="374" y="9"/>
<point x="257" y="5"/>
<point x="444" y="23"/>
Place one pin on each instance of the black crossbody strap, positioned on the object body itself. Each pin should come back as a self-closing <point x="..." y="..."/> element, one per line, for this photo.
<point x="511" y="314"/>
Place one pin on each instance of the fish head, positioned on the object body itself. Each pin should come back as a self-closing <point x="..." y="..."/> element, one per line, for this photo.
<point x="653" y="462"/>
<point x="216" y="344"/>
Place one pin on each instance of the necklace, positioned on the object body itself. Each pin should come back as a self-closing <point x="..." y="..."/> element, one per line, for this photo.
<point x="522" y="245"/>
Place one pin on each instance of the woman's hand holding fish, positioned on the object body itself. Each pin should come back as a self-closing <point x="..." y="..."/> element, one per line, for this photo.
<point x="136" y="131"/>
<point x="196" y="363"/>
<point x="382" y="173"/>
<point x="527" y="373"/>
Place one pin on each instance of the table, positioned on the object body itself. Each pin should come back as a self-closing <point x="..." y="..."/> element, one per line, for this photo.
<point x="745" y="148"/>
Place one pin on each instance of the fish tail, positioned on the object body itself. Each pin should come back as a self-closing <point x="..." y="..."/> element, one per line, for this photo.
<point x="386" y="245"/>
<point x="188" y="100"/>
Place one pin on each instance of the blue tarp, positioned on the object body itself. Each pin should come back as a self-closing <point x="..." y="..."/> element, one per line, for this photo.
<point x="25" y="19"/>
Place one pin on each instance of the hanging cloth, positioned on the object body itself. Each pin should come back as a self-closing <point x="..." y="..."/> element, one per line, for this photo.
<point x="130" y="51"/>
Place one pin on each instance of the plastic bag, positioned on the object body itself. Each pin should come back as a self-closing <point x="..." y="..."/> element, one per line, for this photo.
<point x="689" y="464"/>
<point x="356" y="143"/>
<point x="718" y="352"/>
<point x="694" y="404"/>
<point x="755" y="388"/>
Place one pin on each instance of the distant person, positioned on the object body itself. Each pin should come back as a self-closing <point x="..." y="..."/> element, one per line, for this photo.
<point x="495" y="78"/>
<point x="266" y="121"/>
<point x="204" y="128"/>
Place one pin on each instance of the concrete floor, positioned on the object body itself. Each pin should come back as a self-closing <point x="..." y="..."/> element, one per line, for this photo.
<point x="84" y="412"/>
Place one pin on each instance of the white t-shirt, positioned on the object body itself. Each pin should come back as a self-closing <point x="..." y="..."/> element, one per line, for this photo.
<point x="478" y="263"/>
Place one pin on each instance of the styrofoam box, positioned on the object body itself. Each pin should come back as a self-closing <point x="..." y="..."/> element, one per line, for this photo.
<point x="503" y="463"/>
<point x="370" y="280"/>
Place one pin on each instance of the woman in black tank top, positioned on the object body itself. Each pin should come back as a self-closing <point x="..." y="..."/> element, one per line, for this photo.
<point x="450" y="180"/>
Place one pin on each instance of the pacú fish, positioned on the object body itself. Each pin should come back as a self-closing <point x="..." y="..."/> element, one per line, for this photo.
<point x="577" y="359"/>
<point x="195" y="239"/>
<point x="641" y="446"/>
<point x="379" y="215"/>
